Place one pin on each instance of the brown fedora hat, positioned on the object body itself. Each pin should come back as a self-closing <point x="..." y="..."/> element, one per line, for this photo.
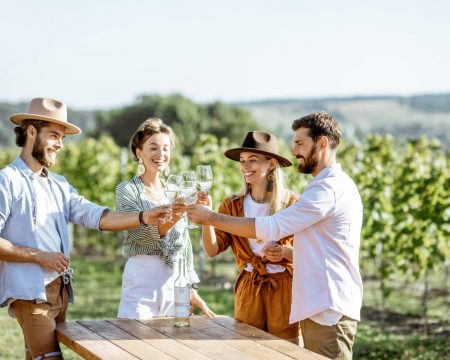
<point x="46" y="109"/>
<point x="259" y="142"/>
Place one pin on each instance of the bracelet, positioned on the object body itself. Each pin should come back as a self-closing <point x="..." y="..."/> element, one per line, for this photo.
<point x="141" y="218"/>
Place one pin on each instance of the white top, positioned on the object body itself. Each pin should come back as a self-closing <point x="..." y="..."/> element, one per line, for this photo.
<point x="326" y="222"/>
<point x="47" y="235"/>
<point x="254" y="209"/>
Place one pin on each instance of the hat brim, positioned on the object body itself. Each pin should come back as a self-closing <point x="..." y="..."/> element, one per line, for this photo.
<point x="70" y="128"/>
<point x="234" y="154"/>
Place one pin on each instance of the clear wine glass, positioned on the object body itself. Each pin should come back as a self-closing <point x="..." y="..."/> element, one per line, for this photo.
<point x="172" y="188"/>
<point x="204" y="177"/>
<point x="188" y="192"/>
<point x="188" y="175"/>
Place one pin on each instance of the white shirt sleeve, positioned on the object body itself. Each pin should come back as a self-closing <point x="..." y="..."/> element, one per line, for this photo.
<point x="315" y="204"/>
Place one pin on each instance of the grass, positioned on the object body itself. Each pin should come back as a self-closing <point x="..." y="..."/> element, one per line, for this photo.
<point x="97" y="291"/>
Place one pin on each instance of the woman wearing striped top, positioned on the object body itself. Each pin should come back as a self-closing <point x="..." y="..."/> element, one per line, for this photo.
<point x="150" y="272"/>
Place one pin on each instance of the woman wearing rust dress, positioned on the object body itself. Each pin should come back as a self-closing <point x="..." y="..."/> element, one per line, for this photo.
<point x="264" y="285"/>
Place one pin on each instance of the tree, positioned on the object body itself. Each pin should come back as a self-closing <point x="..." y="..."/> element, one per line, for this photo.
<point x="187" y="119"/>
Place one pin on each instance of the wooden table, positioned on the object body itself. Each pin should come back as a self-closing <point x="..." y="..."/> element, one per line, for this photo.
<point x="219" y="338"/>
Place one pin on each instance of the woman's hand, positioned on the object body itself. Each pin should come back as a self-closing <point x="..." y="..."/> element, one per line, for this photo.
<point x="198" y="302"/>
<point x="178" y="207"/>
<point x="203" y="198"/>
<point x="275" y="252"/>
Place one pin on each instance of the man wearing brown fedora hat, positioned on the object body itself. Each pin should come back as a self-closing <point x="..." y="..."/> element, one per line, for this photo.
<point x="35" y="208"/>
<point x="326" y="222"/>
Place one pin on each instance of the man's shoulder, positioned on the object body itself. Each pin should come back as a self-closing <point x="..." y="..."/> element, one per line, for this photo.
<point x="10" y="172"/>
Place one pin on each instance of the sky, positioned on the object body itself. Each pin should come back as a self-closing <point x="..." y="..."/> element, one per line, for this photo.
<point x="100" y="54"/>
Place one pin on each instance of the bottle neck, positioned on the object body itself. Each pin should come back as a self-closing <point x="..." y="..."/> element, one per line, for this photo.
<point x="181" y="267"/>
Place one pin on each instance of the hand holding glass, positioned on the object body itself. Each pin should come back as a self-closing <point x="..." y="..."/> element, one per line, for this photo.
<point x="188" y="191"/>
<point x="172" y="189"/>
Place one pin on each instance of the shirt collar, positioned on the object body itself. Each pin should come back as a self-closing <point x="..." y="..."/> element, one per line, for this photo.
<point x="325" y="172"/>
<point x="23" y="167"/>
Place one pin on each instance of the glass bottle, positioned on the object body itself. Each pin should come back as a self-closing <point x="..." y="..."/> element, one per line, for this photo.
<point x="182" y="297"/>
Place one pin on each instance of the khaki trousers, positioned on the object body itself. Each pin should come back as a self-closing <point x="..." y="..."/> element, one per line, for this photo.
<point x="334" y="342"/>
<point x="266" y="305"/>
<point x="38" y="321"/>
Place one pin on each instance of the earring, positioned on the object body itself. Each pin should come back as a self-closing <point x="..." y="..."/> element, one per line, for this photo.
<point x="140" y="168"/>
<point x="166" y="172"/>
<point x="270" y="179"/>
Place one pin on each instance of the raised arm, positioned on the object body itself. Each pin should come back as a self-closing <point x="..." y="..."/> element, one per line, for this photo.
<point x="200" y="214"/>
<point x="120" y="220"/>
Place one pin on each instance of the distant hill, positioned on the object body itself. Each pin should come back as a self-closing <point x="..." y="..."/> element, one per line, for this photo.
<point x="405" y="117"/>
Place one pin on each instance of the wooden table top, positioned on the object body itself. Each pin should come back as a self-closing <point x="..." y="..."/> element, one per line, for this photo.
<point x="219" y="338"/>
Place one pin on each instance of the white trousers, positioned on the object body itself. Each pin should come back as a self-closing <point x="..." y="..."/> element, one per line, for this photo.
<point x="147" y="288"/>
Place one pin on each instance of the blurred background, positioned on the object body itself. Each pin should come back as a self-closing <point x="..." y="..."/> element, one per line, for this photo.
<point x="215" y="70"/>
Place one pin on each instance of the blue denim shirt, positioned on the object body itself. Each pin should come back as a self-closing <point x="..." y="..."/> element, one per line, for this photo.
<point x="18" y="225"/>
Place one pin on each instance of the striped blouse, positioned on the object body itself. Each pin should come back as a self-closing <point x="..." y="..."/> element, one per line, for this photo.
<point x="131" y="196"/>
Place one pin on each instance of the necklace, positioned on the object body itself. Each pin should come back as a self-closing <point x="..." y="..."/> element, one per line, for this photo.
<point x="258" y="200"/>
<point x="157" y="196"/>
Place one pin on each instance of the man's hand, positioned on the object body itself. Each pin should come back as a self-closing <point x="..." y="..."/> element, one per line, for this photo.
<point x="198" y="302"/>
<point x="199" y="214"/>
<point x="55" y="261"/>
<point x="156" y="214"/>
<point x="10" y="252"/>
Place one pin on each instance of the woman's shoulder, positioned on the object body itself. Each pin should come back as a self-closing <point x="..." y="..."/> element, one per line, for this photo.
<point x="127" y="186"/>
<point x="235" y="198"/>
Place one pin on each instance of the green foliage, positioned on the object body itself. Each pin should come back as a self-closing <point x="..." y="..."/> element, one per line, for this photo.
<point x="7" y="156"/>
<point x="187" y="119"/>
<point x="373" y="344"/>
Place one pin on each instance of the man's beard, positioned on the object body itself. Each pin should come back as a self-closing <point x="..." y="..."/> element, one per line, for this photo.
<point x="310" y="162"/>
<point x="41" y="155"/>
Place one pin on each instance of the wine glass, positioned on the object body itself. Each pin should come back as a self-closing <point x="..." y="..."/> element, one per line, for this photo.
<point x="172" y="188"/>
<point x="204" y="177"/>
<point x="188" y="175"/>
<point x="188" y="192"/>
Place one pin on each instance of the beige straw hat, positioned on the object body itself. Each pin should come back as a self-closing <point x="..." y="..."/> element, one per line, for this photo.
<point x="47" y="109"/>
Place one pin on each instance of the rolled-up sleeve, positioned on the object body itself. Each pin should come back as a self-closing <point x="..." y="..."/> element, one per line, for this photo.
<point x="315" y="204"/>
<point x="84" y="212"/>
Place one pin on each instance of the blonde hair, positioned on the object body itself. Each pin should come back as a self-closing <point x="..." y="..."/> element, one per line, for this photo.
<point x="148" y="128"/>
<point x="279" y="196"/>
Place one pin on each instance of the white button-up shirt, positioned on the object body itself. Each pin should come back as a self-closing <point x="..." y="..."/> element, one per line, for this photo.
<point x="326" y="222"/>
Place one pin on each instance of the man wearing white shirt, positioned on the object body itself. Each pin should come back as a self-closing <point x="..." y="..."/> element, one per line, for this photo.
<point x="326" y="223"/>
